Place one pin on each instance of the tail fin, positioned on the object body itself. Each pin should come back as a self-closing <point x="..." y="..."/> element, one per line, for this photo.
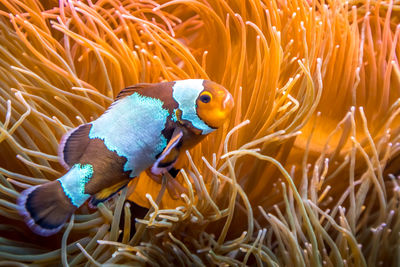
<point x="45" y="208"/>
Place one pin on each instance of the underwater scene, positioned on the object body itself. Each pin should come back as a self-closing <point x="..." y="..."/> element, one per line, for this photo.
<point x="199" y="133"/>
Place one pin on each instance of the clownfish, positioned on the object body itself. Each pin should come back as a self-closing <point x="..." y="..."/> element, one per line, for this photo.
<point x="145" y="129"/>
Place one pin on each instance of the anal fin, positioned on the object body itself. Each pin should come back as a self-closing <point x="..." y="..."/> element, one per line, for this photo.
<point x="106" y="193"/>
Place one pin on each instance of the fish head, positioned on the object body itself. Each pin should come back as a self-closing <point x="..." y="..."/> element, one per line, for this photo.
<point x="214" y="104"/>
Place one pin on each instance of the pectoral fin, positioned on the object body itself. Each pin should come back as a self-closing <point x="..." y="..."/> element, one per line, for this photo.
<point x="169" y="155"/>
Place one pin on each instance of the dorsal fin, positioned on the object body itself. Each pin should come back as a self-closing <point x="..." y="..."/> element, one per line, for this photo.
<point x="73" y="144"/>
<point x="130" y="90"/>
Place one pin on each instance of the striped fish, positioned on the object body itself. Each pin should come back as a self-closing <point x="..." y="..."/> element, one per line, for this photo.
<point x="145" y="129"/>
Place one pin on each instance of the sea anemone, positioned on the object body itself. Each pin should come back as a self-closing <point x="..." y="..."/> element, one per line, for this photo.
<point x="306" y="171"/>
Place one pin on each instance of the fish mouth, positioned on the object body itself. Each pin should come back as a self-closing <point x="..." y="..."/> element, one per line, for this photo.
<point x="228" y="103"/>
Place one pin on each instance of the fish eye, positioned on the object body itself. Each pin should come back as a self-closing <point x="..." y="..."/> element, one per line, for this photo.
<point x="205" y="98"/>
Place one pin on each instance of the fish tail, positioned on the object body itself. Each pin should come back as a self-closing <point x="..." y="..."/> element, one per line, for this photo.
<point x="45" y="208"/>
